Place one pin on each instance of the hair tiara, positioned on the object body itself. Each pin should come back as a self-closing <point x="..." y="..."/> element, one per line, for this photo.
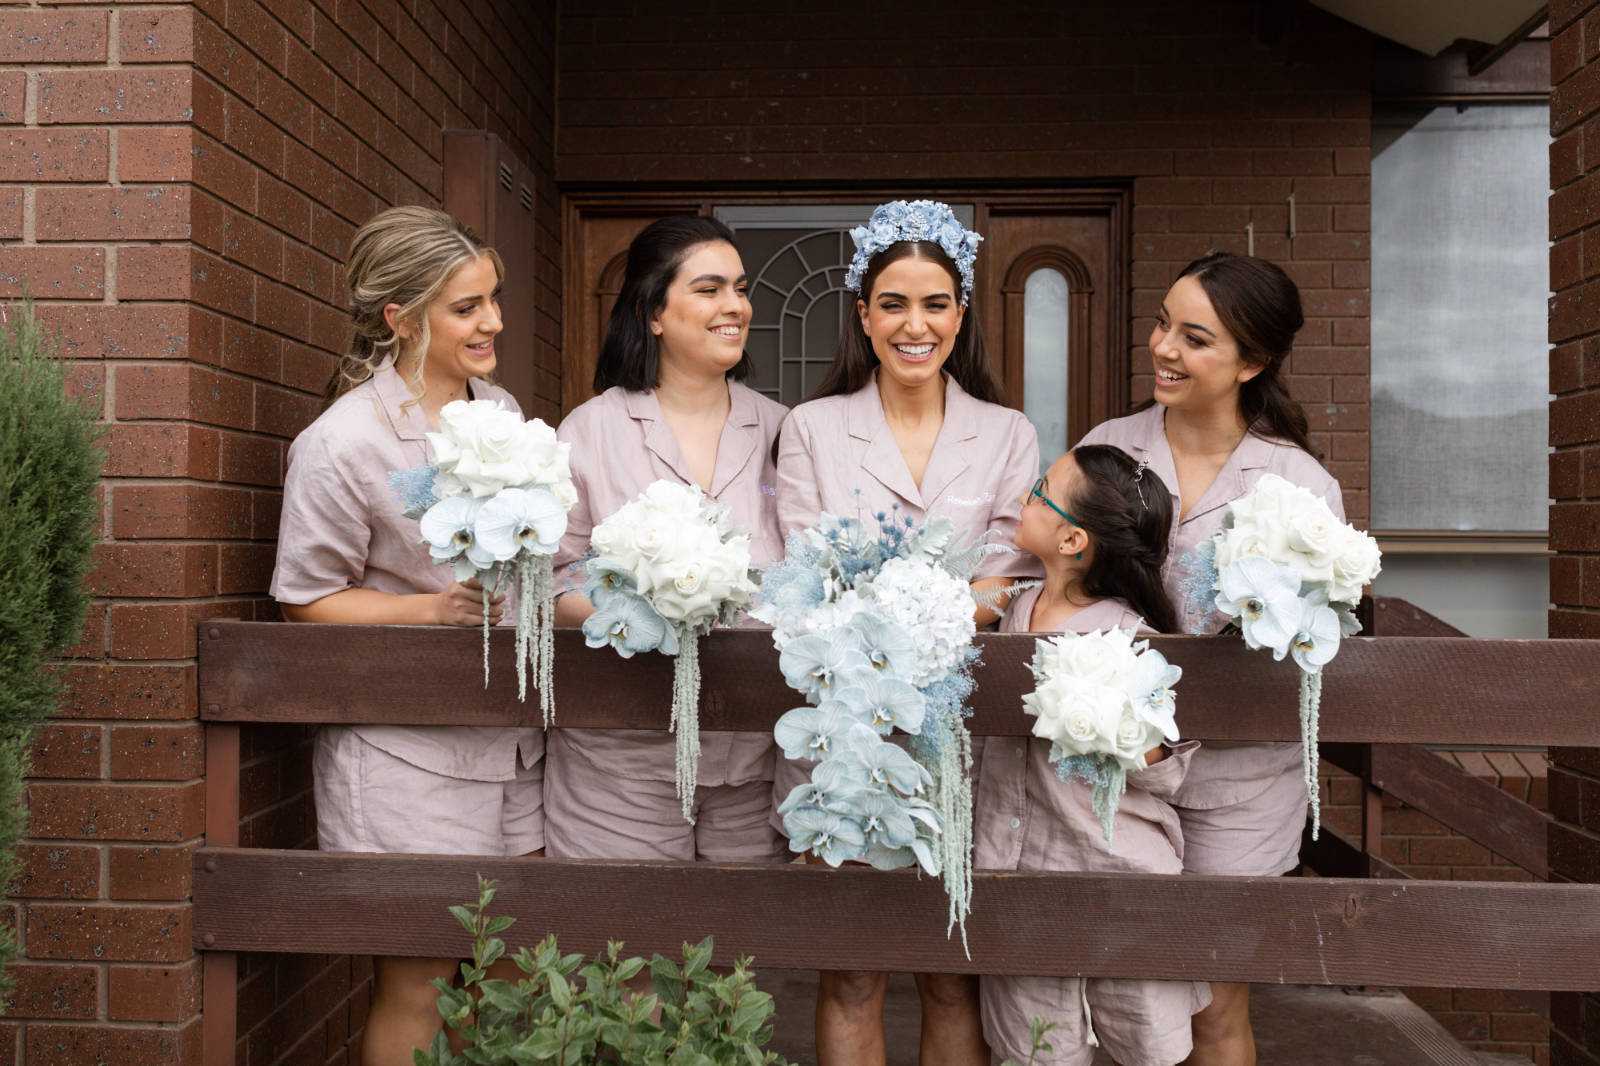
<point x="914" y="220"/>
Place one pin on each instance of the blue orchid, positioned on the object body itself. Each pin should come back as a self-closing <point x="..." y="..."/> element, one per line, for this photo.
<point x="1265" y="597"/>
<point x="834" y="838"/>
<point x="629" y="624"/>
<point x="521" y="520"/>
<point x="814" y="665"/>
<point x="888" y="648"/>
<point x="1316" y="638"/>
<point x="884" y="765"/>
<point x="606" y="580"/>
<point x="885" y="703"/>
<point x="885" y="820"/>
<point x="810" y="732"/>
<point x="448" y="528"/>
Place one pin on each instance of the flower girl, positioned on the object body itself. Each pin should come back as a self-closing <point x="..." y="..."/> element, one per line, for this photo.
<point x="1098" y="523"/>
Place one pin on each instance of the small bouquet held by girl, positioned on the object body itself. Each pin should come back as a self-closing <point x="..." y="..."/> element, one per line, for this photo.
<point x="667" y="566"/>
<point x="875" y="629"/>
<point x="493" y="506"/>
<point x="1290" y="573"/>
<point x="1104" y="699"/>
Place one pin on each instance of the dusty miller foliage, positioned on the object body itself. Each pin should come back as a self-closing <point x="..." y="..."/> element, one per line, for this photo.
<point x="563" y="1010"/>
<point x="49" y="463"/>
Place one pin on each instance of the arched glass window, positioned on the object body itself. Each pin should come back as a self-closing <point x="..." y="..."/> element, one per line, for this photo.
<point x="1044" y="359"/>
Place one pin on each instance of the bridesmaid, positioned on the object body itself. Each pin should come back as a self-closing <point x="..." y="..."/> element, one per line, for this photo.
<point x="1222" y="418"/>
<point x="670" y="406"/>
<point x="424" y="297"/>
<point x="909" y="419"/>
<point x="1098" y="524"/>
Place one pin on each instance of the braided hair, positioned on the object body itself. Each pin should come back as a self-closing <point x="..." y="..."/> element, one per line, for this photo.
<point x="1128" y="512"/>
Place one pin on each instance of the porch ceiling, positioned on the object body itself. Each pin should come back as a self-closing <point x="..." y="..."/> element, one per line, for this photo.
<point x="1431" y="26"/>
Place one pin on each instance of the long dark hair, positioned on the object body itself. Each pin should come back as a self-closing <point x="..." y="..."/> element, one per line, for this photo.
<point x="1260" y="305"/>
<point x="854" y="361"/>
<point x="1129" y="520"/>
<point x="630" y="355"/>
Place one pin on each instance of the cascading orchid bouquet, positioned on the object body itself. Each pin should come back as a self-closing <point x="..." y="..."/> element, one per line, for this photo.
<point x="875" y="629"/>
<point x="668" y="565"/>
<point x="1291" y="574"/>
<point x="493" y="506"/>
<point x="1103" y="701"/>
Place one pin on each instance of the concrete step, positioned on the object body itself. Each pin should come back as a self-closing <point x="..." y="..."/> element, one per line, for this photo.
<point x="1295" y="1026"/>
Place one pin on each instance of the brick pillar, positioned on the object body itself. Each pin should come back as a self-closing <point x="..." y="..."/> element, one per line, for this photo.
<point x="1575" y="459"/>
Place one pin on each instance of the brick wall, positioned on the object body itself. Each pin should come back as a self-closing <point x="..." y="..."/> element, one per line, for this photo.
<point x="1575" y="457"/>
<point x="1214" y="128"/>
<point x="178" y="184"/>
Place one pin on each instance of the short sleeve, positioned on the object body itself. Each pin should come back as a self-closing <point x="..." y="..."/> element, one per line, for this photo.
<point x="799" y="498"/>
<point x="580" y="520"/>
<point x="1019" y="471"/>
<point x="325" y="529"/>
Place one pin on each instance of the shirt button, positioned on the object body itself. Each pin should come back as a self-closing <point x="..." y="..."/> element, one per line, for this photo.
<point x="1016" y="823"/>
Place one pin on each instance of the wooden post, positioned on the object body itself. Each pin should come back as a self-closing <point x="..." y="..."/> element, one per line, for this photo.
<point x="219" y="1017"/>
<point x="1371" y="815"/>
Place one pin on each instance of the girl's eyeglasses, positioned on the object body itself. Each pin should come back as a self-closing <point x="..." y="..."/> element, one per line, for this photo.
<point x="1037" y="492"/>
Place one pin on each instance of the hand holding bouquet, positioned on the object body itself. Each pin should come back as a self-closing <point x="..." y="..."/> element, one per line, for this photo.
<point x="1291" y="574"/>
<point x="668" y="565"/>
<point x="1103" y="701"/>
<point x="493" y="506"/>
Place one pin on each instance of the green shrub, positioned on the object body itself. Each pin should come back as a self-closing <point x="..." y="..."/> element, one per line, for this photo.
<point x="49" y="463"/>
<point x="565" y="1011"/>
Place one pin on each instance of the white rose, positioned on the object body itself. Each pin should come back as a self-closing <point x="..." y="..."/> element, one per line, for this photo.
<point x="565" y="494"/>
<point x="1355" y="566"/>
<point x="1133" y="739"/>
<point x="481" y="445"/>
<point x="1314" y="531"/>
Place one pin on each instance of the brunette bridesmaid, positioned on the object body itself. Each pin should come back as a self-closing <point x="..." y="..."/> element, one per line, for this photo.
<point x="908" y="423"/>
<point x="1222" y="418"/>
<point x="670" y="406"/>
<point x="424" y="302"/>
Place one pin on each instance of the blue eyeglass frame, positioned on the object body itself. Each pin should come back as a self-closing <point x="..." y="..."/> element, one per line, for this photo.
<point x="1048" y="502"/>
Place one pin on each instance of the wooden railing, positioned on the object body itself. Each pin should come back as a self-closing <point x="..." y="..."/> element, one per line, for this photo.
<point x="1326" y="930"/>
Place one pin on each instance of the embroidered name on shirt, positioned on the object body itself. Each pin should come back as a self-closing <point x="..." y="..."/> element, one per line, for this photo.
<point x="973" y="501"/>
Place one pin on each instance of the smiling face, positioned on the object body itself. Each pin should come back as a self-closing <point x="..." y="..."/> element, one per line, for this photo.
<point x="706" y="317"/>
<point x="912" y="318"/>
<point x="463" y="321"/>
<point x="1042" y="531"/>
<point x="1198" y="365"/>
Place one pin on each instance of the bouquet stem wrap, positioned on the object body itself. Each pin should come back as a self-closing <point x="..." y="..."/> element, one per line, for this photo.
<point x="1310" y="704"/>
<point x="685" y="724"/>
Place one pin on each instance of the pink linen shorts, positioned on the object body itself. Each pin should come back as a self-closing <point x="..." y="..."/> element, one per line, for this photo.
<point x="1141" y="1023"/>
<point x="596" y="815"/>
<point x="1259" y="837"/>
<point x="369" y="800"/>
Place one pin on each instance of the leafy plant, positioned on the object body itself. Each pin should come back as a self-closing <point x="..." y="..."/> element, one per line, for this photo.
<point x="565" y="1011"/>
<point x="1038" y="1032"/>
<point x="49" y="464"/>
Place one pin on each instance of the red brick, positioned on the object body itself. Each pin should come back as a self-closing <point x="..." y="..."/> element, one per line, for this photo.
<point x="246" y="568"/>
<point x="157" y="570"/>
<point x="52" y="36"/>
<point x="76" y="1045"/>
<point x="128" y="691"/>
<point x="162" y="631"/>
<point x="152" y="873"/>
<point x="154" y="993"/>
<point x="13" y="96"/>
<point x="252" y="460"/>
<point x="224" y="173"/>
<point x="283" y="413"/>
<point x="10" y="213"/>
<point x="131" y="94"/>
<point x="1575" y="527"/>
<point x="142" y="512"/>
<point x="55" y="992"/>
<point x="53" y="273"/>
<point x="159" y="752"/>
<point x="116" y="812"/>
<point x="161" y="35"/>
<point x="57" y="871"/>
<point x="155" y="153"/>
<point x="174" y="391"/>
<point x="61" y="750"/>
<point x="221" y="285"/>
<point x="145" y="212"/>
<point x="108" y="933"/>
<point x="154" y="272"/>
<point x="162" y="450"/>
<point x="130" y="331"/>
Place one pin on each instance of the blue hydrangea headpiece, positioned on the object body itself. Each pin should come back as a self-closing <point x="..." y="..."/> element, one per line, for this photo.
<point x="914" y="220"/>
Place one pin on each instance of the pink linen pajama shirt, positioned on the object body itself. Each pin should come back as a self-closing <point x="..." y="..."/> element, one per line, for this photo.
<point x="464" y="790"/>
<point x="1243" y="805"/>
<point x="611" y="794"/>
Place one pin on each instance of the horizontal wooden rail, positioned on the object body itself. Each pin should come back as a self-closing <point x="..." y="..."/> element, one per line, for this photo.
<point x="1379" y="690"/>
<point x="1299" y="931"/>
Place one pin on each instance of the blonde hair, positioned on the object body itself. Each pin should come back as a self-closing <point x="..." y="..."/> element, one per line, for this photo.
<point x="405" y="256"/>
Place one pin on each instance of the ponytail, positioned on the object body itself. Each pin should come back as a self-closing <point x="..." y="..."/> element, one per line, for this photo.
<point x="1128" y="512"/>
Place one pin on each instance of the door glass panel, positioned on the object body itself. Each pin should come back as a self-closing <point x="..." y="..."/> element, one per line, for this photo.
<point x="1044" y="360"/>
<point x="796" y="256"/>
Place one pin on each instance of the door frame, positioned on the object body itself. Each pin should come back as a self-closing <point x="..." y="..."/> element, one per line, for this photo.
<point x="1109" y="198"/>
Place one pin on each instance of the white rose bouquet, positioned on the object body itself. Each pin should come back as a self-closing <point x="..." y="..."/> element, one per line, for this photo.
<point x="1103" y="700"/>
<point x="493" y="506"/>
<point x="875" y="627"/>
<point x="1290" y="573"/>
<point x="667" y="566"/>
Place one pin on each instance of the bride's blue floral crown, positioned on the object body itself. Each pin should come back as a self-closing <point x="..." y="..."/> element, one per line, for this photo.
<point x="914" y="220"/>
